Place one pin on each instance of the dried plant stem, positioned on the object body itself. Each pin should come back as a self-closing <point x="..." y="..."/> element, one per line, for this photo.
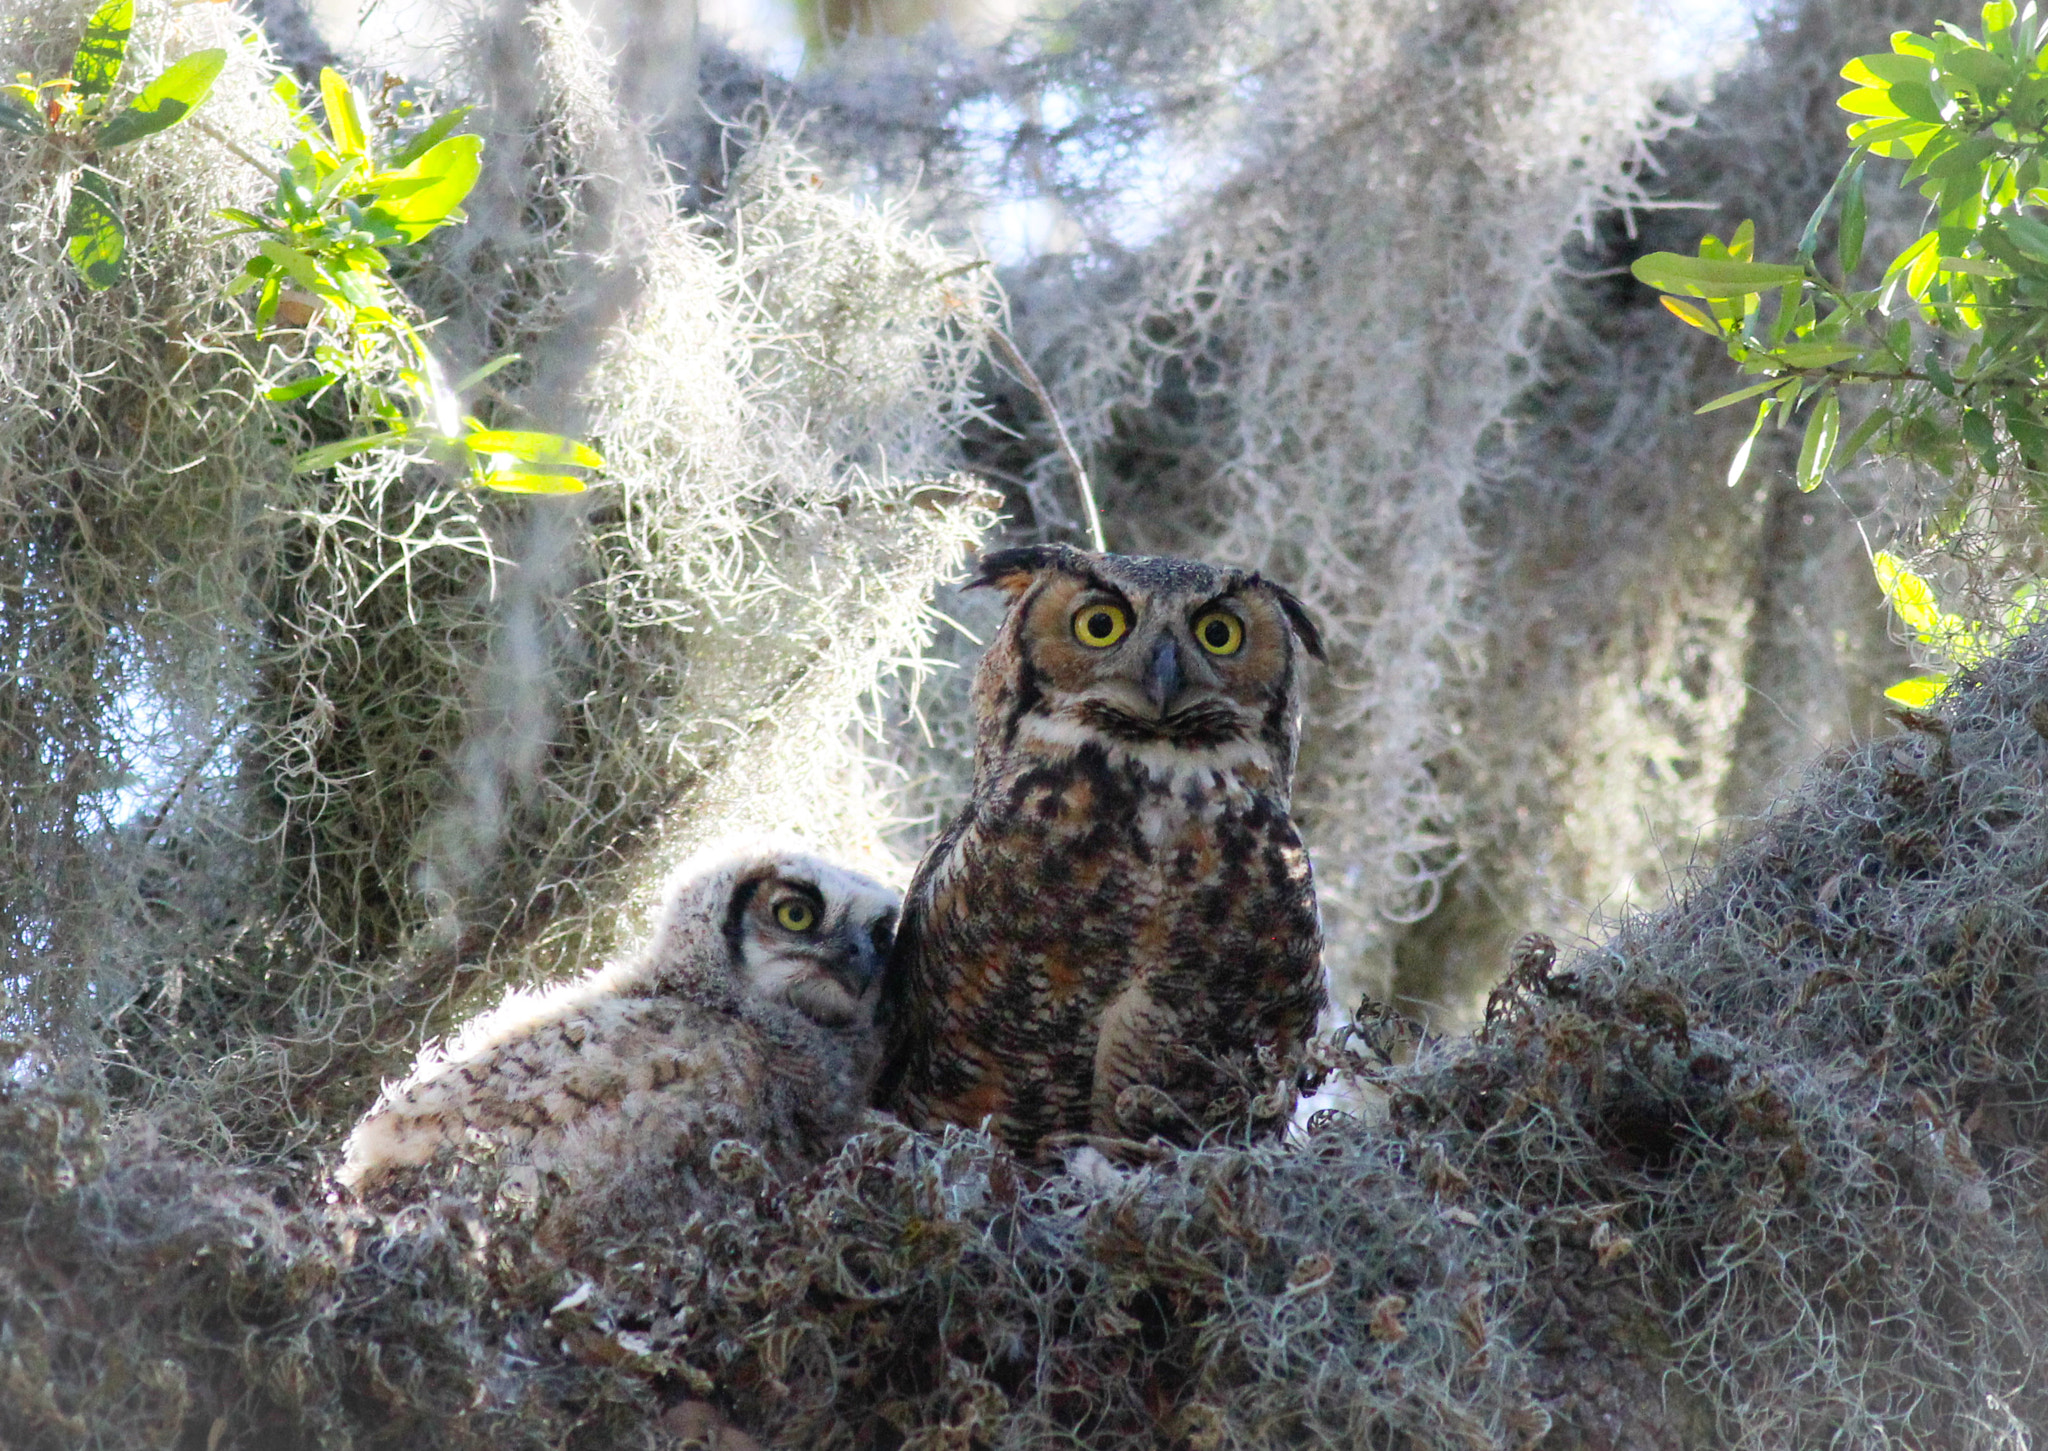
<point x="1014" y="361"/>
<point x="236" y="147"/>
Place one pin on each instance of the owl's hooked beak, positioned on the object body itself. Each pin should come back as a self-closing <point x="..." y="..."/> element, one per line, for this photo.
<point x="1162" y="675"/>
<point x="860" y="974"/>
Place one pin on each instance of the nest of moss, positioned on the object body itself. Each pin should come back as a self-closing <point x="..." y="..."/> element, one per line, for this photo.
<point x="1763" y="1170"/>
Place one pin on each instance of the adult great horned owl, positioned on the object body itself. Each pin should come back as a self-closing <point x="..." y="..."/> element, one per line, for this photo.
<point x="749" y="1015"/>
<point x="1122" y="915"/>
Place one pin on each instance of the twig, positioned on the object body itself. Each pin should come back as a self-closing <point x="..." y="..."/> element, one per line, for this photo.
<point x="235" y="146"/>
<point x="1014" y="360"/>
<point x="162" y="813"/>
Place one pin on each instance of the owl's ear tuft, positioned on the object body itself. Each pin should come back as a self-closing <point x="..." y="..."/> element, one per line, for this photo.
<point x="1013" y="570"/>
<point x="1298" y="616"/>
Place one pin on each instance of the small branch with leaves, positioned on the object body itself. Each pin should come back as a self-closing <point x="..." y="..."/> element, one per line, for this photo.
<point x="1954" y="331"/>
<point x="78" y="107"/>
<point x="323" y="250"/>
<point x="324" y="245"/>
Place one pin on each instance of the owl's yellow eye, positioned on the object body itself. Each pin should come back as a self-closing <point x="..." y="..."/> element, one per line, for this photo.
<point x="796" y="915"/>
<point x="1220" y="632"/>
<point x="1100" y="625"/>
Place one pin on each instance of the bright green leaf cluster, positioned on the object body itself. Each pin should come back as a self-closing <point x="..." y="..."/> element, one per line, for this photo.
<point x="1953" y="333"/>
<point x="76" y="104"/>
<point x="323" y="248"/>
<point x="339" y="206"/>
<point x="1969" y="116"/>
<point x="1960" y="641"/>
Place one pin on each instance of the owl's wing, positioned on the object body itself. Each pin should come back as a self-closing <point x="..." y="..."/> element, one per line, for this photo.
<point x="897" y="1015"/>
<point x="525" y="1086"/>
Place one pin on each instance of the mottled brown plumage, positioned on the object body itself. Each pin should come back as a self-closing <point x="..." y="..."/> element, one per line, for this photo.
<point x="749" y="1015"/>
<point x="1117" y="936"/>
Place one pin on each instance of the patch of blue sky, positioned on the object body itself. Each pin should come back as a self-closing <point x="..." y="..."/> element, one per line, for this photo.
<point x="1694" y="40"/>
<point x="770" y="31"/>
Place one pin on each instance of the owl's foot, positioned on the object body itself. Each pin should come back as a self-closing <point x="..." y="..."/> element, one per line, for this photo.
<point x="1108" y="1147"/>
<point x="1145" y="1111"/>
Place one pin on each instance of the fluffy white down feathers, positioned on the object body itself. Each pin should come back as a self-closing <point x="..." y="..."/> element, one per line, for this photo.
<point x="748" y="1015"/>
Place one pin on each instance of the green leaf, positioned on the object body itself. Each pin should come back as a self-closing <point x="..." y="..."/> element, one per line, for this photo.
<point x="14" y="116"/>
<point x="1711" y="277"/>
<point x="1729" y="399"/>
<point x="1865" y="431"/>
<point x="1981" y="70"/>
<point x="1791" y="314"/>
<point x="529" y="447"/>
<point x="1883" y="69"/>
<point x="1740" y="462"/>
<point x="1818" y="449"/>
<point x="1920" y="271"/>
<point x="1938" y="374"/>
<point x="495" y="365"/>
<point x="420" y="197"/>
<point x="97" y="64"/>
<point x="287" y="392"/>
<point x="1977" y="267"/>
<point x="1849" y="238"/>
<point x="1686" y="313"/>
<point x="1912" y="598"/>
<point x="338" y="178"/>
<point x="2026" y="234"/>
<point x="301" y="268"/>
<point x="249" y="221"/>
<point x="1919" y="692"/>
<point x="362" y="289"/>
<point x="1814" y="355"/>
<point x="1875" y="101"/>
<point x="1893" y="138"/>
<point x="1982" y="436"/>
<point x="1931" y="149"/>
<point x="1963" y="160"/>
<point x="2032" y="439"/>
<point x="167" y="100"/>
<point x="532" y="481"/>
<point x="330" y="454"/>
<point x="344" y="115"/>
<point x="421" y="144"/>
<point x="94" y="238"/>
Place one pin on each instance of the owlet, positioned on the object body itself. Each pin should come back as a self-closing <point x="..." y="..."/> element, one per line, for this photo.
<point x="749" y="1015"/>
<point x="1117" y="935"/>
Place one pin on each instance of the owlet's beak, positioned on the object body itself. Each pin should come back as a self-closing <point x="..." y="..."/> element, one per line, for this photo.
<point x="866" y="965"/>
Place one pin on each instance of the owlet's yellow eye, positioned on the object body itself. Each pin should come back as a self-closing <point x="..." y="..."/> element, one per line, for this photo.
<point x="1100" y="625"/>
<point x="796" y="915"/>
<point x="1220" y="632"/>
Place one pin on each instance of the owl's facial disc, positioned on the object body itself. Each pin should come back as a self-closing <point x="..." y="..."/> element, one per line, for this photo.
<point x="1137" y="670"/>
<point x="821" y="955"/>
